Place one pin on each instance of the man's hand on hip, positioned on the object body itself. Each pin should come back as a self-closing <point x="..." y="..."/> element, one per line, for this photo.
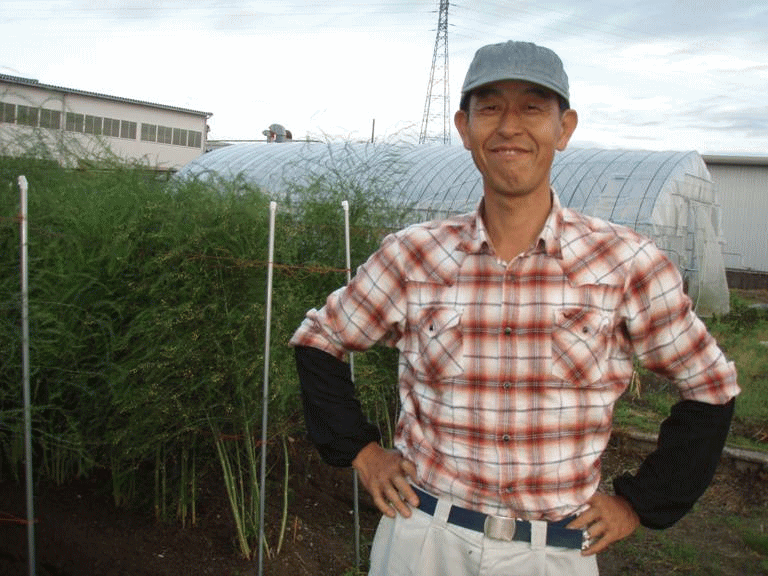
<point x="385" y="474"/>
<point x="608" y="519"/>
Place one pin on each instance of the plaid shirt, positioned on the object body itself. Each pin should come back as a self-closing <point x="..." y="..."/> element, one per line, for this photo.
<point x="508" y="372"/>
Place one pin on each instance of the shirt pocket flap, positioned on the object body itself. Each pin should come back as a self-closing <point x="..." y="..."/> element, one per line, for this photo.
<point x="579" y="346"/>
<point x="436" y="319"/>
<point x="440" y="354"/>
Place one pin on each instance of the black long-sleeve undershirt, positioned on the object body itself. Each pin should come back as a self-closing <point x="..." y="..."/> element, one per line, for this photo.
<point x="675" y="475"/>
<point x="334" y="418"/>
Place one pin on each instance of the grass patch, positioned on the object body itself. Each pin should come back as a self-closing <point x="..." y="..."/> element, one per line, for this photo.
<point x="740" y="335"/>
<point x="756" y="541"/>
<point x="690" y="548"/>
<point x="680" y="553"/>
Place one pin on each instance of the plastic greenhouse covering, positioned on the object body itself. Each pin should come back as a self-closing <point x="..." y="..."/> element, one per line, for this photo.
<point x="668" y="196"/>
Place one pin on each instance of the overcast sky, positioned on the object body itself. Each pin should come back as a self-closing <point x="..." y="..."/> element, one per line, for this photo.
<point x="645" y="74"/>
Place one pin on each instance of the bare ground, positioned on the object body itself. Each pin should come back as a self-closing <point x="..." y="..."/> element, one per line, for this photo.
<point x="79" y="531"/>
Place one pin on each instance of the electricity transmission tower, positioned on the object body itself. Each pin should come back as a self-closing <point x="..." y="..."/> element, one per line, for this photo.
<point x="437" y="106"/>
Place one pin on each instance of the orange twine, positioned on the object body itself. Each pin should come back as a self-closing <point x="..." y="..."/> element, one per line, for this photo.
<point x="11" y="519"/>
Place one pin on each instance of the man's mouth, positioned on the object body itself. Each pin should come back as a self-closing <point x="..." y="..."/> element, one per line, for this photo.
<point x="509" y="151"/>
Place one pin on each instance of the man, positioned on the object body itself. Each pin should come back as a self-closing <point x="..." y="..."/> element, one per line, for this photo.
<point x="517" y="326"/>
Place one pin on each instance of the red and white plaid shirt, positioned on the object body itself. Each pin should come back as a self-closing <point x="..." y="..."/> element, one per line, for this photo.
<point x="509" y="371"/>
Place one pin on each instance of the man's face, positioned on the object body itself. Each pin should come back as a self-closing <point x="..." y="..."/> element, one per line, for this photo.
<point x="512" y="129"/>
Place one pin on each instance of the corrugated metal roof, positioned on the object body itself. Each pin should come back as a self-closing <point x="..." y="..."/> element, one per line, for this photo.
<point x="728" y="160"/>
<point x="37" y="84"/>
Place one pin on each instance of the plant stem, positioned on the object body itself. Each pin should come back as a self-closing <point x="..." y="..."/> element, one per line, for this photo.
<point x="284" y="520"/>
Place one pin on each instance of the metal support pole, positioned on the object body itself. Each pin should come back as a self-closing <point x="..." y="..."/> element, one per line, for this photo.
<point x="265" y="398"/>
<point x="25" y="374"/>
<point x="355" y="489"/>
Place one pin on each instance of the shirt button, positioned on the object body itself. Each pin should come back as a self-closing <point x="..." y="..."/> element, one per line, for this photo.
<point x="507" y="330"/>
<point x="507" y="385"/>
<point x="505" y="437"/>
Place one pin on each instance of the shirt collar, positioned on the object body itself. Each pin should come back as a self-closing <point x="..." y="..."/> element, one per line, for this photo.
<point x="549" y="237"/>
<point x="475" y="240"/>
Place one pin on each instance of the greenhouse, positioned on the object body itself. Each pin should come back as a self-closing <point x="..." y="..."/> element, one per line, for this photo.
<point x="668" y="196"/>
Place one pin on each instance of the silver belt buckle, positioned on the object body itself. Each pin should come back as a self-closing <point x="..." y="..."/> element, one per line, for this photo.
<point x="500" y="528"/>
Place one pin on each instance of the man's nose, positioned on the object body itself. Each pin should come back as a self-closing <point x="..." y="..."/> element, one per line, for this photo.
<point x="510" y="122"/>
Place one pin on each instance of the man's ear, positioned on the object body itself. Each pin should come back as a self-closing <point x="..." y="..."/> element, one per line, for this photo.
<point x="461" y="121"/>
<point x="568" y="121"/>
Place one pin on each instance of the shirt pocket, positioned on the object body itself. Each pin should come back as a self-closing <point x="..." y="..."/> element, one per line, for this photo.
<point x="440" y="342"/>
<point x="579" y="346"/>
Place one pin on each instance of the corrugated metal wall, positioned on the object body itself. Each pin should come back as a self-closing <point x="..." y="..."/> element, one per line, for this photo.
<point x="743" y="192"/>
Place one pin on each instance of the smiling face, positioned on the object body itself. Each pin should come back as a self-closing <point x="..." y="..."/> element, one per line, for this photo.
<point x="512" y="129"/>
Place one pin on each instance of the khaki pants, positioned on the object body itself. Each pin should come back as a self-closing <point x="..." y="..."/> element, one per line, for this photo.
<point x="425" y="545"/>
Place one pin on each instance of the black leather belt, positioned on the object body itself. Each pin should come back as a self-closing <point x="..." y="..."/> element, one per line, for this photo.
<point x="501" y="528"/>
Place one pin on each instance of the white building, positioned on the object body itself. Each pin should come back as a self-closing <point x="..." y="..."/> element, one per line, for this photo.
<point x="75" y="125"/>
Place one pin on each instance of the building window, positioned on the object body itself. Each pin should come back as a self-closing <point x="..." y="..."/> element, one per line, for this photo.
<point x="148" y="132"/>
<point x="7" y="112"/>
<point x="50" y="119"/>
<point x="26" y="115"/>
<point x="195" y="139"/>
<point x="74" y="122"/>
<point x="179" y="137"/>
<point x="111" y="127"/>
<point x="93" y="125"/>
<point x="164" y="135"/>
<point x="128" y="130"/>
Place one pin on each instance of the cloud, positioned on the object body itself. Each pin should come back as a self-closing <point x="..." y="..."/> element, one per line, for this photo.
<point x="657" y="73"/>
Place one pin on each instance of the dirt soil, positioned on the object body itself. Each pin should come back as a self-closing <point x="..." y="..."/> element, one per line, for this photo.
<point x="758" y="296"/>
<point x="79" y="531"/>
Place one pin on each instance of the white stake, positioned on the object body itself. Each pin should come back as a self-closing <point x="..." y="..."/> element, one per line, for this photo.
<point x="345" y="206"/>
<point x="356" y="496"/>
<point x="265" y="399"/>
<point x="25" y="372"/>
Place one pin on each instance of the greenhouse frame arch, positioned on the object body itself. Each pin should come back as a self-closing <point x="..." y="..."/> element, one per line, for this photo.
<point x="667" y="196"/>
